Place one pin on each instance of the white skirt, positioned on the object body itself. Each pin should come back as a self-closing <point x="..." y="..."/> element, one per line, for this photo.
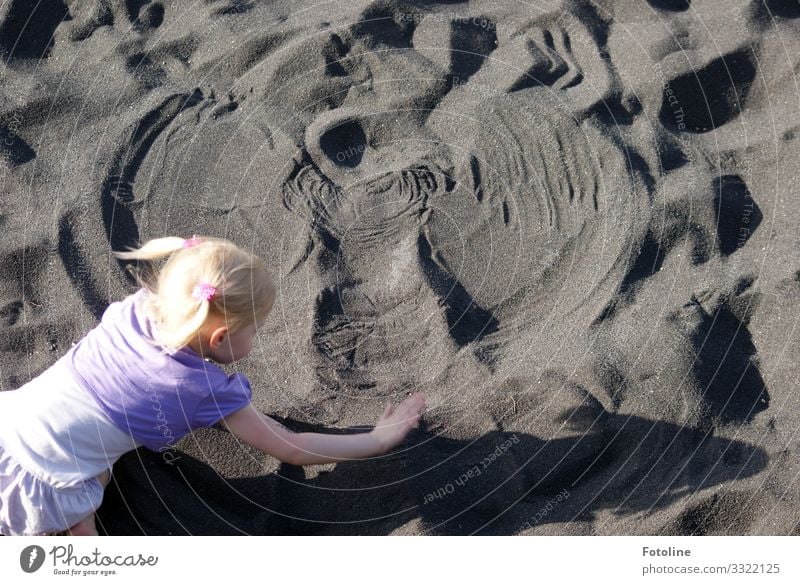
<point x="30" y="506"/>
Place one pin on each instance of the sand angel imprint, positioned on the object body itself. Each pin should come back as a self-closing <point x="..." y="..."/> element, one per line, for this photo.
<point x="384" y="280"/>
<point x="450" y="219"/>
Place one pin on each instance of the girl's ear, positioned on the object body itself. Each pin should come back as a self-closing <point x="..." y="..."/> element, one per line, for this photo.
<point x="217" y="336"/>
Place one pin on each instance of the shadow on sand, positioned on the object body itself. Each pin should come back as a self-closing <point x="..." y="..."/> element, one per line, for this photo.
<point x="486" y="486"/>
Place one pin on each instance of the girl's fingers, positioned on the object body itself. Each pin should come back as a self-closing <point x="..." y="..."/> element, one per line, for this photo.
<point x="408" y="411"/>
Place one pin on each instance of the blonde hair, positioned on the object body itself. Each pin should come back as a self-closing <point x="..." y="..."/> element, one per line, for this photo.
<point x="245" y="290"/>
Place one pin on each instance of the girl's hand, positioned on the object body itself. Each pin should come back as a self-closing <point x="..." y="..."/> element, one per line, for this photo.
<point x="395" y="422"/>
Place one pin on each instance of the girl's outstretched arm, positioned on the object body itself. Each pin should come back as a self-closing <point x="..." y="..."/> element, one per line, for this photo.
<point x="271" y="437"/>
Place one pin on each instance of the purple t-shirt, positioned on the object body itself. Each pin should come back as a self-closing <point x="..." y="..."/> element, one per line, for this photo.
<point x="156" y="398"/>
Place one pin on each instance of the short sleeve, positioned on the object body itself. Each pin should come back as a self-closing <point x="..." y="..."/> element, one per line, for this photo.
<point x="223" y="400"/>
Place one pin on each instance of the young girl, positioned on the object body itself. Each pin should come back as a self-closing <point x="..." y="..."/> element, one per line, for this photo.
<point x="145" y="377"/>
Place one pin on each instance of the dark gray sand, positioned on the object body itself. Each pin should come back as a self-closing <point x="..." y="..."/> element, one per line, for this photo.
<point x="572" y="224"/>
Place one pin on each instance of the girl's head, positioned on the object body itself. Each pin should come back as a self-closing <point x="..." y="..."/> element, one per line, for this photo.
<point x="209" y="295"/>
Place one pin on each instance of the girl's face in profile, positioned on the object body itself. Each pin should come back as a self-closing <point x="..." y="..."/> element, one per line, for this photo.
<point x="233" y="346"/>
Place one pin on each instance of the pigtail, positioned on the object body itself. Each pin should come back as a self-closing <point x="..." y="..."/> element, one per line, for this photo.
<point x="152" y="250"/>
<point x="143" y="271"/>
<point x="177" y="337"/>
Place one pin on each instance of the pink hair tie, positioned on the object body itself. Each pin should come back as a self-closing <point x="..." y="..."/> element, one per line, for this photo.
<point x="193" y="241"/>
<point x="204" y="291"/>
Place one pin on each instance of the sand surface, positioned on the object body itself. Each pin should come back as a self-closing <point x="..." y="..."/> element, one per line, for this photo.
<point x="572" y="224"/>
